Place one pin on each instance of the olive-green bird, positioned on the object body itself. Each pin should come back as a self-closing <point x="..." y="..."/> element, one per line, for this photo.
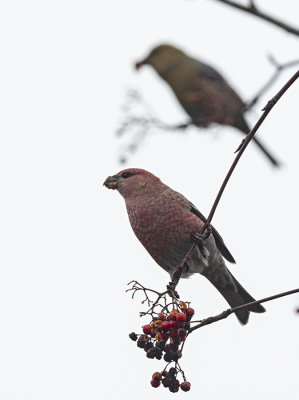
<point x="201" y="90"/>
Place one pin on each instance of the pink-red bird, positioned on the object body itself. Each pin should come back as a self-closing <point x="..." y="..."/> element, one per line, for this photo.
<point x="164" y="221"/>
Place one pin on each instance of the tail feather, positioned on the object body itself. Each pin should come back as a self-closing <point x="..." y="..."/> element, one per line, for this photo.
<point x="238" y="298"/>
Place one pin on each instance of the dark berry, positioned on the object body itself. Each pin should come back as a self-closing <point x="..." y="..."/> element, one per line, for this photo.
<point x="164" y="335"/>
<point x="148" y="345"/>
<point x="172" y="371"/>
<point x="161" y="344"/>
<point x="173" y="333"/>
<point x="167" y="347"/>
<point x="182" y="332"/>
<point x="175" y="355"/>
<point x="167" y="357"/>
<point x="176" y="340"/>
<point x="141" y="343"/>
<point x="166" y="382"/>
<point x="157" y="352"/>
<point x="133" y="336"/>
<point x="150" y="353"/>
<point x="173" y="346"/>
<point x="174" y="386"/>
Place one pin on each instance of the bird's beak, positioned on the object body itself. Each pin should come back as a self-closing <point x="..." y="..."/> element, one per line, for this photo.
<point x="139" y="64"/>
<point x="111" y="182"/>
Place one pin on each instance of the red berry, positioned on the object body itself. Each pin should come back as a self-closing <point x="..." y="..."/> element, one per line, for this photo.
<point x="165" y="326"/>
<point x="146" y="329"/>
<point x="185" y="386"/>
<point x="157" y="375"/>
<point x="181" y="317"/>
<point x="173" y="314"/>
<point x="155" y="383"/>
<point x="190" y="312"/>
<point x="171" y="324"/>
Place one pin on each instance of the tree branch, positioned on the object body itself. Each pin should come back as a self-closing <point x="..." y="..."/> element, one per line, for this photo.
<point x="278" y="69"/>
<point x="246" y="141"/>
<point x="253" y="10"/>
<point x="240" y="151"/>
<point x="230" y="311"/>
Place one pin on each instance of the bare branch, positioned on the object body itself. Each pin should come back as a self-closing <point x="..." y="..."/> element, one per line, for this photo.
<point x="240" y="151"/>
<point x="253" y="10"/>
<point x="245" y="143"/>
<point x="278" y="69"/>
<point x="230" y="311"/>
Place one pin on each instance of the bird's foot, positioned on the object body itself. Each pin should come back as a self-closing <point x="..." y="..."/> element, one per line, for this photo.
<point x="171" y="290"/>
<point x="200" y="239"/>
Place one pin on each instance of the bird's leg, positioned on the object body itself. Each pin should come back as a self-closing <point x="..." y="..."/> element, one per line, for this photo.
<point x="200" y="239"/>
<point x="171" y="290"/>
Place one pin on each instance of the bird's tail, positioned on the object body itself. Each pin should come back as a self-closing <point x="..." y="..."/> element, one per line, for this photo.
<point x="271" y="158"/>
<point x="237" y="298"/>
<point x="241" y="124"/>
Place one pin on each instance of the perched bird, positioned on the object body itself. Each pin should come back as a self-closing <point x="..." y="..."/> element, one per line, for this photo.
<point x="164" y="221"/>
<point x="202" y="92"/>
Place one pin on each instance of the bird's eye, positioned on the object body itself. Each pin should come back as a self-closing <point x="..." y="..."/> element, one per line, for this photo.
<point x="126" y="174"/>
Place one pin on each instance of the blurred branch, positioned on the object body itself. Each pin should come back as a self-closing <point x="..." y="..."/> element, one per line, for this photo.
<point x="230" y="311"/>
<point x="142" y="122"/>
<point x="253" y="10"/>
<point x="269" y="106"/>
<point x="278" y="69"/>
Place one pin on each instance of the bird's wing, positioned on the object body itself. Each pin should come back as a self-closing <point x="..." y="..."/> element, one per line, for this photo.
<point x="218" y="238"/>
<point x="211" y="99"/>
<point x="212" y="77"/>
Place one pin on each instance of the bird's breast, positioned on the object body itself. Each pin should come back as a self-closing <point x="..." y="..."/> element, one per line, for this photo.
<point x="165" y="232"/>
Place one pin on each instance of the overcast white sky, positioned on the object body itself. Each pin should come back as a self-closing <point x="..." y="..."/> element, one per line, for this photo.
<point x="67" y="250"/>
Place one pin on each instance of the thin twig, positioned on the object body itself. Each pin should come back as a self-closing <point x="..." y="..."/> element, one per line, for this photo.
<point x="252" y="9"/>
<point x="230" y="311"/>
<point x="245" y="143"/>
<point x="278" y="69"/>
<point x="240" y="150"/>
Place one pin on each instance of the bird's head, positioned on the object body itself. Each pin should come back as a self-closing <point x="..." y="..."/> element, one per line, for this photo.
<point x="161" y="58"/>
<point x="132" y="182"/>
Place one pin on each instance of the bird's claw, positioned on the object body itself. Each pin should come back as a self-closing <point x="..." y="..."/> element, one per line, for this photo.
<point x="171" y="291"/>
<point x="200" y="239"/>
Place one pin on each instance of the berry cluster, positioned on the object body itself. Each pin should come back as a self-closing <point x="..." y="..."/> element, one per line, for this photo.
<point x="164" y="337"/>
<point x="169" y="380"/>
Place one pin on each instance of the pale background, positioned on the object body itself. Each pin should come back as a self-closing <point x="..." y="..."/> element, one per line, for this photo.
<point x="67" y="250"/>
